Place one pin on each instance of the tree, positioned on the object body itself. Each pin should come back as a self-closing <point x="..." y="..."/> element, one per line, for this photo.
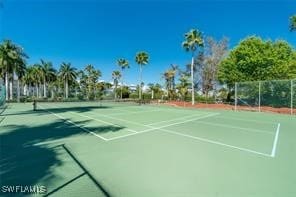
<point x="48" y="74"/>
<point x="214" y="53"/>
<point x="90" y="78"/>
<point x="169" y="77"/>
<point x="174" y="70"/>
<point x="123" y="64"/>
<point x="142" y="58"/>
<point x="20" y="69"/>
<point x="53" y="86"/>
<point x="293" y="23"/>
<point x="255" y="59"/>
<point x="193" y="41"/>
<point x="155" y="90"/>
<point x="36" y="76"/>
<point x="68" y="74"/>
<point x="82" y="80"/>
<point x="11" y="56"/>
<point x="183" y="85"/>
<point x="27" y="80"/>
<point x="116" y="75"/>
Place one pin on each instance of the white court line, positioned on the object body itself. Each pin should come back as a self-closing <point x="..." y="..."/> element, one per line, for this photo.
<point x="275" y="140"/>
<point x="197" y="138"/>
<point x="119" y="119"/>
<point x="137" y="112"/>
<point x="177" y="123"/>
<point x="152" y="128"/>
<point x="158" y="128"/>
<point x="174" y="119"/>
<point x="235" y="127"/>
<point x="135" y="123"/>
<point x="217" y="143"/>
<point x="98" y="120"/>
<point x="246" y="120"/>
<point x="69" y="121"/>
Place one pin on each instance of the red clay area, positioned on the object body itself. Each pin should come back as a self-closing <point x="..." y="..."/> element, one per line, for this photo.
<point x="282" y="110"/>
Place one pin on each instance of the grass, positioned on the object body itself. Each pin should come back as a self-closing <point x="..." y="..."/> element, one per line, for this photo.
<point x="124" y="150"/>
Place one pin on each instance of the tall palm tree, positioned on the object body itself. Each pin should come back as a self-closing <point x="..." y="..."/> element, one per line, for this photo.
<point x="123" y="64"/>
<point x="28" y="80"/>
<point x="67" y="74"/>
<point x="20" y="70"/>
<point x="7" y="56"/>
<point x="193" y="40"/>
<point x="10" y="57"/>
<point x="293" y="23"/>
<point x="53" y="86"/>
<point x="116" y="75"/>
<point x="92" y="76"/>
<point x="142" y="58"/>
<point x="37" y="78"/>
<point x="48" y="74"/>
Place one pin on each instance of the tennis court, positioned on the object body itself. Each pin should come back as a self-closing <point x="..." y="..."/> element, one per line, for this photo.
<point x="124" y="149"/>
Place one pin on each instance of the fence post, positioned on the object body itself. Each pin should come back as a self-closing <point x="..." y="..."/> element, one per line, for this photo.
<point x="259" y="100"/>
<point x="235" y="96"/>
<point x="291" y="97"/>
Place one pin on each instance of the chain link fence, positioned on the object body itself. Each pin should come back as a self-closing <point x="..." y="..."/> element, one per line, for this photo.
<point x="275" y="96"/>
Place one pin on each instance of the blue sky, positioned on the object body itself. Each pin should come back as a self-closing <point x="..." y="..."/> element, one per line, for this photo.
<point x="100" y="32"/>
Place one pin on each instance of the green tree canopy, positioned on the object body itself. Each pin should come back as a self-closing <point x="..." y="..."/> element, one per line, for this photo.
<point x="255" y="59"/>
<point x="293" y="23"/>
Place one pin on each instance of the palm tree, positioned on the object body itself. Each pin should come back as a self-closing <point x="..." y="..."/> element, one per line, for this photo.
<point x="20" y="70"/>
<point x="28" y="80"/>
<point x="89" y="69"/>
<point x="95" y="76"/>
<point x="142" y="58"/>
<point x="169" y="77"/>
<point x="183" y="86"/>
<point x="10" y="57"/>
<point x="293" y="23"/>
<point x="67" y="74"/>
<point x="91" y="78"/>
<point x="155" y="89"/>
<point x="174" y="69"/>
<point x="193" y="40"/>
<point x="48" y="74"/>
<point x="53" y="86"/>
<point x="37" y="78"/>
<point x="116" y="75"/>
<point x="7" y="56"/>
<point x="123" y="64"/>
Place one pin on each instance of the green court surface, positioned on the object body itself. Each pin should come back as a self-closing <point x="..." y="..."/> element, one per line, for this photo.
<point x="93" y="149"/>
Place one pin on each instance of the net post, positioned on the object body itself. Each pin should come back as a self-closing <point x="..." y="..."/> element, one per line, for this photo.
<point x="235" y="96"/>
<point x="291" y="97"/>
<point x="259" y="99"/>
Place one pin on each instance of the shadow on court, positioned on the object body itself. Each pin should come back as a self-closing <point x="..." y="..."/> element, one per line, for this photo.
<point x="24" y="163"/>
<point x="40" y="111"/>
